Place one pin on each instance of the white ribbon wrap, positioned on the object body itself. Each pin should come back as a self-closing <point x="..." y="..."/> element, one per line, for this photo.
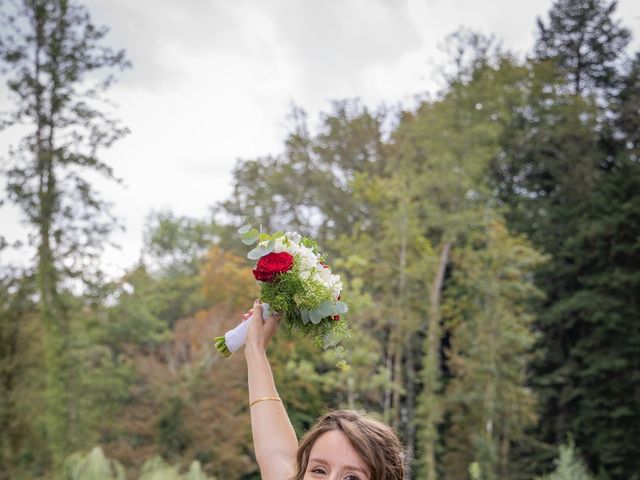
<point x="237" y="337"/>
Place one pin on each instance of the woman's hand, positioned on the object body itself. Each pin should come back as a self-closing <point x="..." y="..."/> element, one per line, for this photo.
<point x="260" y="331"/>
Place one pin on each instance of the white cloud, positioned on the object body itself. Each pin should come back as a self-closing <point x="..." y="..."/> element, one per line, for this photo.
<point x="213" y="80"/>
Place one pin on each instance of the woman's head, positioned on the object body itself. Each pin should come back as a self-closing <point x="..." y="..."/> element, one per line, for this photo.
<point x="345" y="441"/>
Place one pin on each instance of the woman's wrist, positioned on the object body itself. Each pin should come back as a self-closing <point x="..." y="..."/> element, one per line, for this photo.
<point x="254" y="350"/>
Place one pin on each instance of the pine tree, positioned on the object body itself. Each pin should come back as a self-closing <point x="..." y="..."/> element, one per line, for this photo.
<point x="570" y="465"/>
<point x="585" y="42"/>
<point x="51" y="51"/>
<point x="592" y="390"/>
<point x="568" y="176"/>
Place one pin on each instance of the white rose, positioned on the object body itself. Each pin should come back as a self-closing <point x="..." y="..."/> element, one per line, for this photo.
<point x="325" y="276"/>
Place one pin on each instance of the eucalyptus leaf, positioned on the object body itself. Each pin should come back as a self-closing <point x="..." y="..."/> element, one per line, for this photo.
<point x="248" y="241"/>
<point x="251" y="233"/>
<point x="315" y="317"/>
<point x="244" y="229"/>
<point x="340" y="308"/>
<point x="277" y="235"/>
<point x="325" y="309"/>
<point x="257" y="253"/>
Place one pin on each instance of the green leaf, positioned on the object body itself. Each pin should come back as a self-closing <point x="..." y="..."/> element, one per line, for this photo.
<point x="257" y="253"/>
<point x="244" y="229"/>
<point x="250" y="237"/>
<point x="340" y="308"/>
<point x="251" y="233"/>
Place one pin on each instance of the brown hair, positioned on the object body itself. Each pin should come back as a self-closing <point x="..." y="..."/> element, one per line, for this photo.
<point x="374" y="441"/>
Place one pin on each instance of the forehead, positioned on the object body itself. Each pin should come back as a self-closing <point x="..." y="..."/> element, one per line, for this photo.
<point x="333" y="447"/>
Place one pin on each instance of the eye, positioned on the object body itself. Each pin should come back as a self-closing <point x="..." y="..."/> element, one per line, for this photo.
<point x="319" y="470"/>
<point x="352" y="477"/>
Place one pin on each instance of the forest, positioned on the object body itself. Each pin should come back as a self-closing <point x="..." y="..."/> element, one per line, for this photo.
<point x="488" y="240"/>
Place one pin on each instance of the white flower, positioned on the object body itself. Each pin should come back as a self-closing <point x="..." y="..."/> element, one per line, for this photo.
<point x="308" y="259"/>
<point x="291" y="247"/>
<point x="294" y="237"/>
<point x="279" y="246"/>
<point x="325" y="276"/>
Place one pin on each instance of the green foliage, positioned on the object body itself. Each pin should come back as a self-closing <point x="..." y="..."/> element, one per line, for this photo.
<point x="569" y="466"/>
<point x="452" y="340"/>
<point x="561" y="176"/>
<point x="93" y="466"/>
<point x="173" y="437"/>
<point x="290" y="293"/>
<point x="597" y="269"/>
<point x="53" y="56"/>
<point x="488" y="314"/>
<point x="96" y="466"/>
<point x="585" y="43"/>
<point x="176" y="243"/>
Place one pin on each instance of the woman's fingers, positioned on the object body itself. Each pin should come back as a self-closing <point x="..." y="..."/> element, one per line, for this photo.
<point x="262" y="330"/>
<point x="257" y="309"/>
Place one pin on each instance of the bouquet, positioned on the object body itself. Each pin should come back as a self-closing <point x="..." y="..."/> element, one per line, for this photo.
<point x="296" y="283"/>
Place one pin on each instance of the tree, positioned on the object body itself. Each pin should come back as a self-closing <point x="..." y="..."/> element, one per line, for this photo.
<point x="585" y="43"/>
<point x="588" y="376"/>
<point x="570" y="465"/>
<point x="567" y="174"/>
<point x="227" y="278"/>
<point x="20" y="360"/>
<point x="52" y="52"/>
<point x="177" y="243"/>
<point x="93" y="466"/>
<point x="308" y="188"/>
<point x="488" y="314"/>
<point x="447" y="145"/>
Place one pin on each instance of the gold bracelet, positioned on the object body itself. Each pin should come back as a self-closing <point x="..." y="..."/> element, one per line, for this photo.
<point x="264" y="399"/>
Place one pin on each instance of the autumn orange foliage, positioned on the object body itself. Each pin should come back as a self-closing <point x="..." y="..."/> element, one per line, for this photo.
<point x="210" y="390"/>
<point x="227" y="278"/>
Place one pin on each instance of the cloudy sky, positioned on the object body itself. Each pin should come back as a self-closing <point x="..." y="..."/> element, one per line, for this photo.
<point x="213" y="80"/>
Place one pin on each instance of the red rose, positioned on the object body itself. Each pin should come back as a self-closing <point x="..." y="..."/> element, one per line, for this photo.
<point x="271" y="265"/>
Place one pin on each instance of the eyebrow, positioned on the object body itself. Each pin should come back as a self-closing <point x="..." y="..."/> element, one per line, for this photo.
<point x="348" y="467"/>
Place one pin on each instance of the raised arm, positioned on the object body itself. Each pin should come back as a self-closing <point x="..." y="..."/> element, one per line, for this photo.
<point x="274" y="439"/>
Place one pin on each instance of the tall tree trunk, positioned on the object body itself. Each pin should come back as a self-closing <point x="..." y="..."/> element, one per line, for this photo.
<point x="53" y="319"/>
<point x="432" y="373"/>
